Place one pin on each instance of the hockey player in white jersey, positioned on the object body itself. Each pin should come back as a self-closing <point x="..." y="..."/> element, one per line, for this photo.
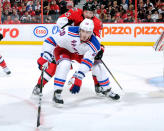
<point x="76" y="43"/>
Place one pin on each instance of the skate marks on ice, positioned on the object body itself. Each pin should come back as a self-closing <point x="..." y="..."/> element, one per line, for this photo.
<point x="18" y="114"/>
<point x="157" y="82"/>
<point x="139" y="98"/>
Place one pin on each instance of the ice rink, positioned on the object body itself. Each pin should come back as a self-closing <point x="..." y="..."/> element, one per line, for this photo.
<point x="139" y="70"/>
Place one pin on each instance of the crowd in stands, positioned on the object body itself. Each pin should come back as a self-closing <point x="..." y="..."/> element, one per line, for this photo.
<point x="119" y="11"/>
<point x="29" y="11"/>
<point x="109" y="11"/>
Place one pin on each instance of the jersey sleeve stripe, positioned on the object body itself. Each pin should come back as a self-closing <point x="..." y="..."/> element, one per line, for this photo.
<point x="92" y="46"/>
<point x="73" y="34"/>
<point x="87" y="62"/>
<point x="51" y="41"/>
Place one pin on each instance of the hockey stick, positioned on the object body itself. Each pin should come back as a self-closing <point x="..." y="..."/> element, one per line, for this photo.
<point x="112" y="75"/>
<point x="40" y="94"/>
<point x="158" y="46"/>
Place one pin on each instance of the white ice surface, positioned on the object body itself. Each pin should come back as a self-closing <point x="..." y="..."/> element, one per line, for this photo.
<point x="141" y="106"/>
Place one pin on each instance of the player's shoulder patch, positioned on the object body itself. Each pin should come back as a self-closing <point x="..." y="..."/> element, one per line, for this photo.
<point x="73" y="31"/>
<point x="67" y="14"/>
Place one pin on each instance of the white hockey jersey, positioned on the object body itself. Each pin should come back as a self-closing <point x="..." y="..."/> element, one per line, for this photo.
<point x="69" y="39"/>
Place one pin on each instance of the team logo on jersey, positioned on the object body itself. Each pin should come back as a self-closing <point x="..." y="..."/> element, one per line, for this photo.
<point x="67" y="14"/>
<point x="94" y="54"/>
<point x="62" y="32"/>
<point x="73" y="43"/>
<point x="40" y="31"/>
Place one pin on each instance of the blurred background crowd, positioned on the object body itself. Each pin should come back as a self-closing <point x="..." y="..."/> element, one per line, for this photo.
<point x="108" y="11"/>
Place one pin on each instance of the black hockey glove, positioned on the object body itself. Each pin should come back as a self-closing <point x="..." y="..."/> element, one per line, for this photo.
<point x="1" y="36"/>
<point x="100" y="53"/>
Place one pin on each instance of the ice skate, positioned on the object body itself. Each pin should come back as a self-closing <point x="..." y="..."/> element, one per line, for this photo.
<point x="110" y="94"/>
<point x="36" y="91"/>
<point x="7" y="71"/>
<point x="98" y="90"/>
<point x="57" y="99"/>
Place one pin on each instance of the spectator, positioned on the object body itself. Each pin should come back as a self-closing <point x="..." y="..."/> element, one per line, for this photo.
<point x="150" y="9"/>
<point x="8" y="21"/>
<point x="6" y="5"/>
<point x="54" y="7"/>
<point x="109" y="4"/>
<point x="154" y="15"/>
<point x="160" y="18"/>
<point x="5" y="14"/>
<point x="131" y="10"/>
<point x="20" y="8"/>
<point x="96" y="3"/>
<point x="148" y="3"/>
<point x="118" y="18"/>
<point x="161" y="10"/>
<point x="108" y="19"/>
<point x="31" y="12"/>
<point x="102" y="9"/>
<point x="129" y="19"/>
<point x="141" y="14"/>
<point x="48" y="19"/>
<point x="63" y="7"/>
<point x="148" y="18"/>
<point x="103" y="16"/>
<point x="104" y="2"/>
<point x="26" y="18"/>
<point x="124" y="5"/>
<point x="158" y="4"/>
<point x="115" y="4"/>
<point x="30" y="5"/>
<point x="38" y="8"/>
<point x="14" y="14"/>
<point x="16" y="21"/>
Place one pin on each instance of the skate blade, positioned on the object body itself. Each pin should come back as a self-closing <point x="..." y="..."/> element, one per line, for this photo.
<point x="100" y="94"/>
<point x="57" y="105"/>
<point x="44" y="128"/>
<point x="34" y="97"/>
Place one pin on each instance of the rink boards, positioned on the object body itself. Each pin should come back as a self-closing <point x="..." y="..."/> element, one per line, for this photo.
<point x="112" y="34"/>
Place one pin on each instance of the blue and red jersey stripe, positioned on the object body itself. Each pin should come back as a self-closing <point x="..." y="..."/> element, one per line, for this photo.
<point x="51" y="41"/>
<point x="73" y="34"/>
<point x="87" y="62"/>
<point x="59" y="82"/>
<point x="104" y="82"/>
<point x="92" y="46"/>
